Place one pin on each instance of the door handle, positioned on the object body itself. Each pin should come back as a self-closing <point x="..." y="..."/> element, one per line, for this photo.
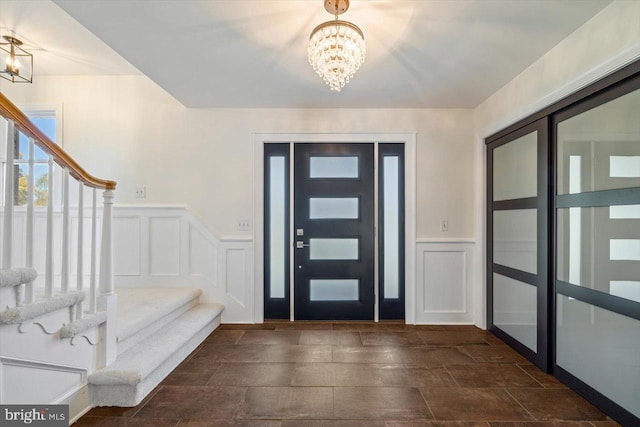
<point x="300" y="244"/>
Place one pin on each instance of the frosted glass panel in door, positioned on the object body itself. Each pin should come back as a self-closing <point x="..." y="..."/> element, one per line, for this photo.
<point x="515" y="168"/>
<point x="515" y="239"/>
<point x="333" y="290"/>
<point x="607" y="138"/>
<point x="391" y="248"/>
<point x="333" y="167"/>
<point x="277" y="232"/>
<point x="514" y="309"/>
<point x="333" y="208"/>
<point x="338" y="249"/>
<point x="601" y="348"/>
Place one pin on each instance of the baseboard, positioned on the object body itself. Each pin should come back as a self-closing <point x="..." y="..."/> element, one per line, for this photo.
<point x="78" y="401"/>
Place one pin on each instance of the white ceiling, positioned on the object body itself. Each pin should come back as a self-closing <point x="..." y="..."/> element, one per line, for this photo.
<point x="252" y="53"/>
<point x="59" y="44"/>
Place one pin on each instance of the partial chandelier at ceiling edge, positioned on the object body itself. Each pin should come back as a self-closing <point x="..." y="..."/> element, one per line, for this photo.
<point x="16" y="64"/>
<point x="336" y="48"/>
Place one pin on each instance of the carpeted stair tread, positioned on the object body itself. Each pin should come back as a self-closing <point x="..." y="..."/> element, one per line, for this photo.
<point x="137" y="363"/>
<point x="139" y="308"/>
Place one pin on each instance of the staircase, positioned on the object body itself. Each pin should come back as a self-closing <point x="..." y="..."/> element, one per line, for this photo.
<point x="68" y="336"/>
<point x="158" y="328"/>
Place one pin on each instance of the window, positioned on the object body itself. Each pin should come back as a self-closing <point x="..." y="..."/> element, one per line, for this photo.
<point x="48" y="121"/>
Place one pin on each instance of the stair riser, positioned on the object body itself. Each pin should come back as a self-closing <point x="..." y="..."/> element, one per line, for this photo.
<point x="128" y="396"/>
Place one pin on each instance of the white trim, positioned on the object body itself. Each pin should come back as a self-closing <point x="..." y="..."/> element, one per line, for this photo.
<point x="611" y="65"/>
<point x="449" y="280"/>
<point x="78" y="401"/>
<point x="406" y="138"/>
<point x="376" y="233"/>
<point x="68" y="396"/>
<point x="445" y="240"/>
<point x="149" y="206"/>
<point x="33" y="109"/>
<point x="235" y="238"/>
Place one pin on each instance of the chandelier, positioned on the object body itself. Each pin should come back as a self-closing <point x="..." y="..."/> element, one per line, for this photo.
<point x="16" y="64"/>
<point x="336" y="48"/>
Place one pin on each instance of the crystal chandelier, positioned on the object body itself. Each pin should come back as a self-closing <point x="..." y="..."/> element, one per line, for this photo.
<point x="336" y="48"/>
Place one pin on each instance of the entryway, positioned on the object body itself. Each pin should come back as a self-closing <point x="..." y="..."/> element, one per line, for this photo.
<point x="334" y="231"/>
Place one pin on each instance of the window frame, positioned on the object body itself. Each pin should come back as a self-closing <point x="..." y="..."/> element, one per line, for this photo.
<point x="35" y="111"/>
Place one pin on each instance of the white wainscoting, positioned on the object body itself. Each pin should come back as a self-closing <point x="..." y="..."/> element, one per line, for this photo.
<point x="19" y="377"/>
<point x="39" y="367"/>
<point x="444" y="281"/>
<point x="166" y="246"/>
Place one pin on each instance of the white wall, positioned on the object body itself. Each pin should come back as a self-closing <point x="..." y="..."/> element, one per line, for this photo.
<point x="604" y="43"/>
<point x="130" y="130"/>
<point x="607" y="42"/>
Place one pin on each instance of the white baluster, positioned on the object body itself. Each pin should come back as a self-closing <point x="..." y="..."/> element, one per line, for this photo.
<point x="108" y="299"/>
<point x="92" y="279"/>
<point x="48" y="276"/>
<point x="80" y="249"/>
<point x="106" y="252"/>
<point x="7" y="239"/>
<point x="29" y="295"/>
<point x="64" y="276"/>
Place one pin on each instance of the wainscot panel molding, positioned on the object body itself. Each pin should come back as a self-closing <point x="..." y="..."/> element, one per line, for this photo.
<point x="445" y="291"/>
<point x="38" y="356"/>
<point x="58" y="381"/>
<point x="167" y="246"/>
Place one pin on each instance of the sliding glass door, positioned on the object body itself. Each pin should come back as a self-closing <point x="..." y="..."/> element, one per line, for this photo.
<point x="597" y="270"/>
<point x="563" y="241"/>
<point x="517" y="235"/>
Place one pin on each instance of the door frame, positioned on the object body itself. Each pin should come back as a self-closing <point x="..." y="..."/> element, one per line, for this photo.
<point x="406" y="138"/>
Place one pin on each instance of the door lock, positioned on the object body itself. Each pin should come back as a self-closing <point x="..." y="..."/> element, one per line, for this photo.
<point x="300" y="244"/>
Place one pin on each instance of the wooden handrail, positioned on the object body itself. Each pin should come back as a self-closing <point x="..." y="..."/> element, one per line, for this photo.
<point x="22" y="122"/>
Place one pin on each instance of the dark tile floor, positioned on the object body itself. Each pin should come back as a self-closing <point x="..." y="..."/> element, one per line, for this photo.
<point x="354" y="374"/>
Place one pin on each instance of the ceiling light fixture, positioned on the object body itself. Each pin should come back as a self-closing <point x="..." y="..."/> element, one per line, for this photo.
<point x="336" y="48"/>
<point x="18" y="63"/>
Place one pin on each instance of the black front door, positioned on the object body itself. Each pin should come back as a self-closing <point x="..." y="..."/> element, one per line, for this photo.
<point x="334" y="231"/>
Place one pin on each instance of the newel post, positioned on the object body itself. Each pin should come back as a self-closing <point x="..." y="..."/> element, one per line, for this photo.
<point x="107" y="301"/>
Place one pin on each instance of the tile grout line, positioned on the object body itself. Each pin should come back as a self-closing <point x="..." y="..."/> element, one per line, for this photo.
<point x="333" y="402"/>
<point x="519" y="403"/>
<point x="214" y="374"/>
<point x="148" y="398"/>
<point x="452" y="377"/>
<point x="522" y="369"/>
<point x="239" y="337"/>
<point x="433" y="415"/>
<point x="240" y="403"/>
